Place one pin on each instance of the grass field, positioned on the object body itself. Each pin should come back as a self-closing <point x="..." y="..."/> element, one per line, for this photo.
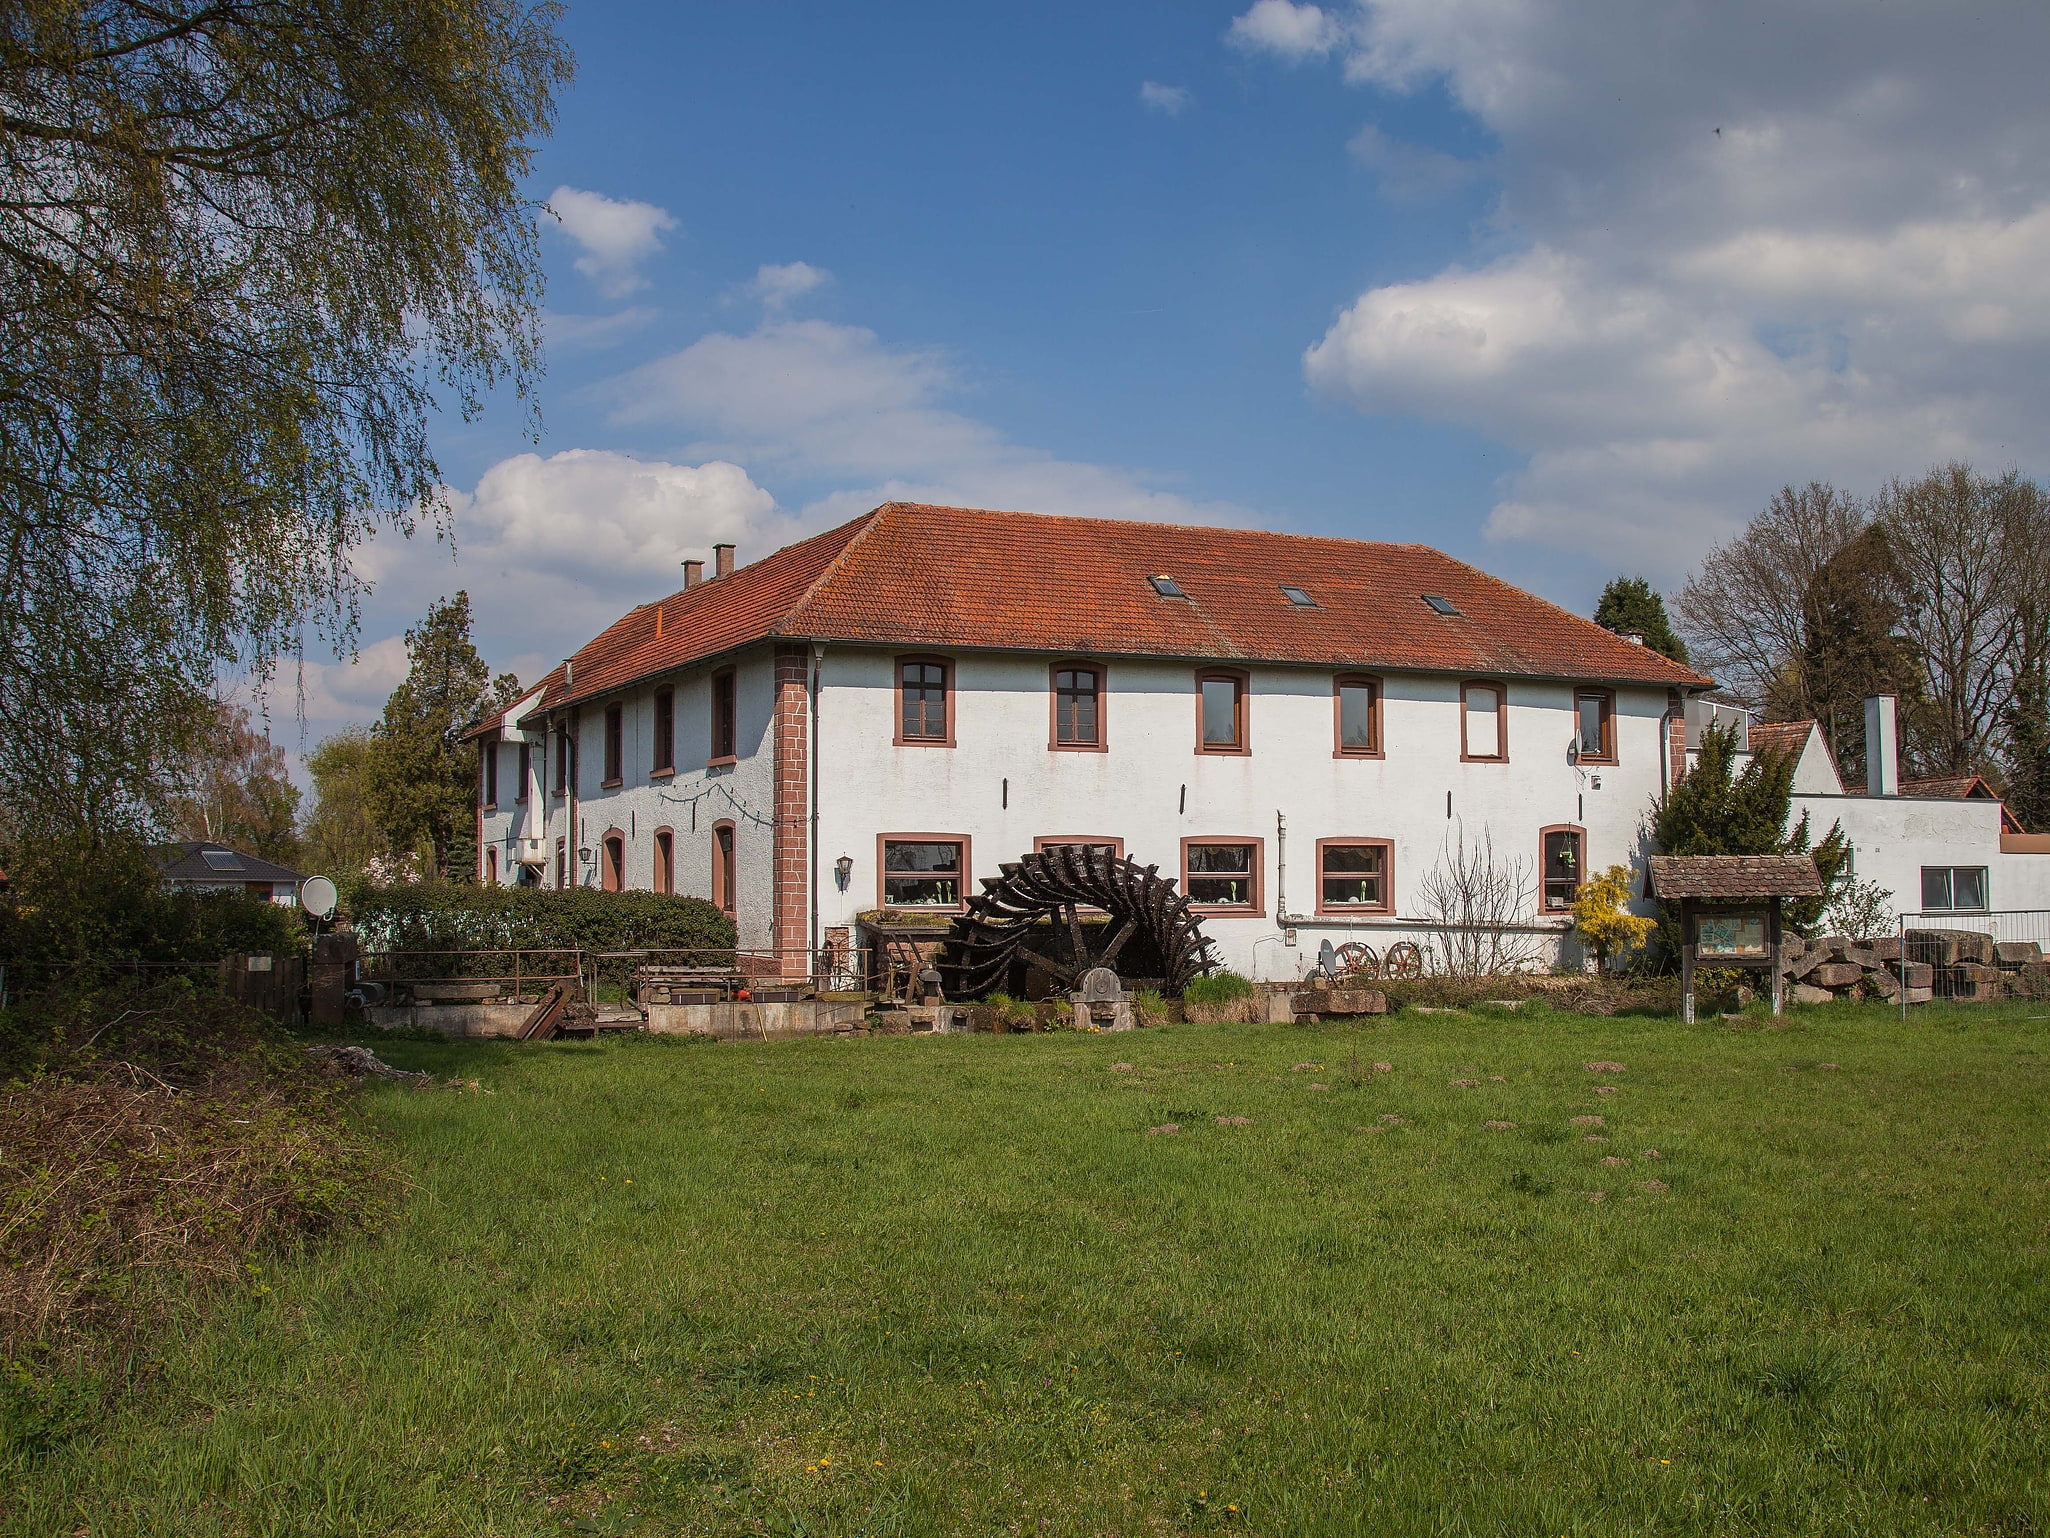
<point x="955" y="1285"/>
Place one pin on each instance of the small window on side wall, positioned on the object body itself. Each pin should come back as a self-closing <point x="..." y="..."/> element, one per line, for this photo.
<point x="1221" y="712"/>
<point x="488" y="760"/>
<point x="1954" y="889"/>
<point x="615" y="743"/>
<point x="923" y="871"/>
<point x="725" y="727"/>
<point x="1483" y="731"/>
<point x="1562" y="860"/>
<point x="1077" y="705"/>
<point x="1222" y="874"/>
<point x="924" y="700"/>
<point x="665" y="862"/>
<point x="1594" y="726"/>
<point x="664" y="759"/>
<point x="1355" y="876"/>
<point x="725" y="870"/>
<point x="526" y="769"/>
<point x="1359" y="716"/>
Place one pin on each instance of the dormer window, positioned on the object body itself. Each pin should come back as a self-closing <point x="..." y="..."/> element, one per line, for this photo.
<point x="1167" y="587"/>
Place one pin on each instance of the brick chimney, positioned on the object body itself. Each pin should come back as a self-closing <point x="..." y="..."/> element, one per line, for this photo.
<point x="693" y="573"/>
<point x="722" y="560"/>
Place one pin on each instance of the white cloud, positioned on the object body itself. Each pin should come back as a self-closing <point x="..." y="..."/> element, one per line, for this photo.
<point x="1410" y="172"/>
<point x="1292" y="32"/>
<point x="1755" y="245"/>
<point x="1170" y="99"/>
<point x="833" y="401"/>
<point x="594" y="333"/>
<point x="778" y="285"/>
<point x="616" y="235"/>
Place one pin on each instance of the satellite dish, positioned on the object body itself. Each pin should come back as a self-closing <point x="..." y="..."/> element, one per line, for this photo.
<point x="317" y="895"/>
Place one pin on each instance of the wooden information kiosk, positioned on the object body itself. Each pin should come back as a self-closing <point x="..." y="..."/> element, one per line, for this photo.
<point x="1730" y="911"/>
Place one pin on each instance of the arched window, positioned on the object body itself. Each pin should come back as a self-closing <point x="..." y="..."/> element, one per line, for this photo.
<point x="725" y="869"/>
<point x="665" y="862"/>
<point x="613" y="876"/>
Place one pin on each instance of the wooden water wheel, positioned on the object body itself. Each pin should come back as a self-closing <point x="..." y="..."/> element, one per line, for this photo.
<point x="1048" y="892"/>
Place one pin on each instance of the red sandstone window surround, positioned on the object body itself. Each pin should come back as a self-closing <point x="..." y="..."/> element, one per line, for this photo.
<point x="725" y="869"/>
<point x="922" y="870"/>
<point x="1355" y="875"/>
<point x="1483" y="722"/>
<point x="925" y="702"/>
<point x="1078" y="699"/>
<point x="665" y="733"/>
<point x="1562" y="864"/>
<point x="1225" y="877"/>
<point x="1221" y="711"/>
<point x="1594" y="725"/>
<point x="612" y="877"/>
<point x="1356" y="716"/>
<point x="665" y="861"/>
<point x="725" y="725"/>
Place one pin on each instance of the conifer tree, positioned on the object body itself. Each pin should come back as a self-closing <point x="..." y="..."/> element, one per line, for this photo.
<point x="1632" y="606"/>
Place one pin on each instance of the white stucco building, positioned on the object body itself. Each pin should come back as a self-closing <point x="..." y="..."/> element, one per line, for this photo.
<point x="1291" y="727"/>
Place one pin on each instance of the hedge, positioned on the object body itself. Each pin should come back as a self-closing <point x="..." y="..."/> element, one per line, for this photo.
<point x="436" y="917"/>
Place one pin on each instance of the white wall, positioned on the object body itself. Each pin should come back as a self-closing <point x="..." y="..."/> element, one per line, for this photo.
<point x="689" y="803"/>
<point x="1134" y="790"/>
<point x="1895" y="836"/>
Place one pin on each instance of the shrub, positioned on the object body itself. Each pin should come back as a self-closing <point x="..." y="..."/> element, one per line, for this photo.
<point x="438" y="917"/>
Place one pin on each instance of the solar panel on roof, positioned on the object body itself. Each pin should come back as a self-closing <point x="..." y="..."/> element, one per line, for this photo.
<point x="1167" y="587"/>
<point x="1297" y="596"/>
<point x="221" y="859"/>
<point x="1442" y="605"/>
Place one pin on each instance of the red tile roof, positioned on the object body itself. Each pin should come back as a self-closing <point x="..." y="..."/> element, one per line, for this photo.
<point x="1780" y="736"/>
<point x="913" y="575"/>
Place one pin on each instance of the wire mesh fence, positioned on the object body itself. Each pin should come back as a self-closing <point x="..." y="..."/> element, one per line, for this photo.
<point x="1974" y="957"/>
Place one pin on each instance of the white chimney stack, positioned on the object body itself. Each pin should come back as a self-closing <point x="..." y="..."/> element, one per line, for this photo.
<point x="1882" y="747"/>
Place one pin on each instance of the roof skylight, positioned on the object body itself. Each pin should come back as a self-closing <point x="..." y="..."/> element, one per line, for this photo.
<point x="1442" y="605"/>
<point x="1167" y="587"/>
<point x="221" y="859"/>
<point x="1297" y="596"/>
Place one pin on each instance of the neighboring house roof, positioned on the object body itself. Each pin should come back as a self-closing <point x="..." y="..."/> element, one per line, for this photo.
<point x="1953" y="787"/>
<point x="923" y="577"/>
<point x="1734" y="876"/>
<point x="1780" y="736"/>
<point x="217" y="864"/>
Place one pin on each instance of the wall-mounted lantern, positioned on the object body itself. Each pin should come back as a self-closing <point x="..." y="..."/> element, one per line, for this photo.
<point x="843" y="871"/>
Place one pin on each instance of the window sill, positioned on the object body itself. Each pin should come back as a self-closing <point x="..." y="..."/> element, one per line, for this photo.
<point x="488" y="807"/>
<point x="924" y="742"/>
<point x="1212" y="911"/>
<point x="1372" y="753"/>
<point x="1589" y="761"/>
<point x="1078" y="747"/>
<point x="724" y="761"/>
<point x="1468" y="758"/>
<point x="1351" y="912"/>
<point x="610" y="784"/>
<point x="662" y="774"/>
<point x="1224" y="752"/>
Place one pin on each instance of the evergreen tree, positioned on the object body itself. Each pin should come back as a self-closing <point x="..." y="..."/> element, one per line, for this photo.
<point x="422" y="781"/>
<point x="2028" y="751"/>
<point x="1851" y="649"/>
<point x="1631" y="605"/>
<point x="1717" y="810"/>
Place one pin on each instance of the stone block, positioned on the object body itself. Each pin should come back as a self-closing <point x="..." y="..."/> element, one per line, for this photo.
<point x="1948" y="947"/>
<point x="1836" y="974"/>
<point x="2016" y="953"/>
<point x="1882" y="984"/>
<point x="1918" y="995"/>
<point x="1977" y="972"/>
<point x="1809" y="961"/>
<point x="1916" y="974"/>
<point x="1341" y="1001"/>
<point x="1861" y="956"/>
<point x="1833" y="946"/>
<point x="1887" y="948"/>
<point x="1804" y="993"/>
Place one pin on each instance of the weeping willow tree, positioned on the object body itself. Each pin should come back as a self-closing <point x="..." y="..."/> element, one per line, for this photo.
<point x="247" y="252"/>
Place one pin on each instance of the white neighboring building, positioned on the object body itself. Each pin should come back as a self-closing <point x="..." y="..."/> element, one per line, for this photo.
<point x="881" y="715"/>
<point x="1940" y="846"/>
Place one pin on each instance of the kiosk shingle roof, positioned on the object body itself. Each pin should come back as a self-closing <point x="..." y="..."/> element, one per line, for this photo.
<point x="1733" y="876"/>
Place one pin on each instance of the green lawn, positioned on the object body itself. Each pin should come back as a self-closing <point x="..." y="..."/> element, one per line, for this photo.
<point x="916" y="1285"/>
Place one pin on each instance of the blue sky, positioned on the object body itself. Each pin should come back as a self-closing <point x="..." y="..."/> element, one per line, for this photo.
<point x="1565" y="287"/>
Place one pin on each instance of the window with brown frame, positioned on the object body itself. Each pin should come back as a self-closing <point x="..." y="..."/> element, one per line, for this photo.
<point x="1077" y="705"/>
<point x="491" y="867"/>
<point x="487" y="760"/>
<point x="526" y="770"/>
<point x="1355" y="875"/>
<point x="922" y="870"/>
<point x="725" y="869"/>
<point x="1483" y="722"/>
<point x="665" y="732"/>
<point x="561" y="864"/>
<point x="1594" y="726"/>
<point x="665" y="862"/>
<point x="925" y="700"/>
<point x="1357" y="708"/>
<point x="562" y="747"/>
<point x="613" y="877"/>
<point x="725" y="725"/>
<point x="615" y="744"/>
<point x="1562" y="861"/>
<point x="1221" y="712"/>
<point x="1222" y="875"/>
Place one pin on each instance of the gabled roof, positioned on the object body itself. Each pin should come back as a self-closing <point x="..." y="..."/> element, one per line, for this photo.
<point x="919" y="576"/>
<point x="187" y="861"/>
<point x="1780" y="736"/>
<point x="1735" y="876"/>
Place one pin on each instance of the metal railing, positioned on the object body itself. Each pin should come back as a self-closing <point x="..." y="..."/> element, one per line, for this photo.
<point x="1974" y="957"/>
